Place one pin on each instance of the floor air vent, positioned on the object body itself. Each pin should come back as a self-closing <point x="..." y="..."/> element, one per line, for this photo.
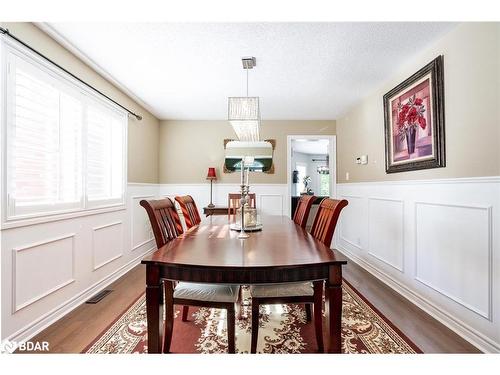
<point x="99" y="296"/>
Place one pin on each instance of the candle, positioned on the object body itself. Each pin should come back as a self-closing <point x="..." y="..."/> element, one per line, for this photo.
<point x="248" y="172"/>
<point x="242" y="171"/>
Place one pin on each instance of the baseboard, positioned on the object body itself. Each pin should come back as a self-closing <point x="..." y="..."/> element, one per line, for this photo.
<point x="463" y="330"/>
<point x="65" y="308"/>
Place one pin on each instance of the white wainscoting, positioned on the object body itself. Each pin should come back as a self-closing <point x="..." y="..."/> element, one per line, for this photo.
<point x="271" y="198"/>
<point x="50" y="268"/>
<point x="33" y="274"/>
<point x="107" y="243"/>
<point x="436" y="242"/>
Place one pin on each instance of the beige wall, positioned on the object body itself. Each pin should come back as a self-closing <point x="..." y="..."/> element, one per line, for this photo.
<point x="188" y="148"/>
<point x="142" y="135"/>
<point x="472" y="111"/>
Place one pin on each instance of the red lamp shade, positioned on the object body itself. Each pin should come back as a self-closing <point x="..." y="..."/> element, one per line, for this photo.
<point x="211" y="174"/>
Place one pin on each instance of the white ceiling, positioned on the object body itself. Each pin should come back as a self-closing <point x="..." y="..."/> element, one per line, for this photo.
<point x="317" y="146"/>
<point x="304" y="70"/>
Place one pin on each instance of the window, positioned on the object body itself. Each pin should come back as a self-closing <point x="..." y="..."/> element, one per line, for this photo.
<point x="65" y="146"/>
<point x="324" y="185"/>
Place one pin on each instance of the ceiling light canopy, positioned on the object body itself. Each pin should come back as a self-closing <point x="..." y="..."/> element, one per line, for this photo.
<point x="244" y="111"/>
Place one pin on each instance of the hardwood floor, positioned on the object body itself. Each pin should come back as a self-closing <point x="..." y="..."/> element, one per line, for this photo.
<point x="76" y="330"/>
<point x="426" y="332"/>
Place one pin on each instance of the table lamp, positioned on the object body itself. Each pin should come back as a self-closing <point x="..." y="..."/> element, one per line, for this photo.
<point x="212" y="177"/>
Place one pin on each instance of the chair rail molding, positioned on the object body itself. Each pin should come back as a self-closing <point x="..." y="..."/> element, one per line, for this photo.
<point x="434" y="242"/>
<point x="82" y="255"/>
<point x="141" y="218"/>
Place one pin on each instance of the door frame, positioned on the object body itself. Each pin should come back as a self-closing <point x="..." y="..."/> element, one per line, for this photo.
<point x="332" y="164"/>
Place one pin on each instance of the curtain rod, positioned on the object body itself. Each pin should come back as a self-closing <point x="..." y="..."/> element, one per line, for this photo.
<point x="6" y="32"/>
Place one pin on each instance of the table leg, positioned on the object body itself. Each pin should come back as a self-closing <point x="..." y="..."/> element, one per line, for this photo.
<point x="169" y="315"/>
<point x="333" y="295"/>
<point x="153" y="291"/>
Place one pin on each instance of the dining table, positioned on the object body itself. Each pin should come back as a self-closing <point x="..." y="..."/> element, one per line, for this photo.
<point x="281" y="252"/>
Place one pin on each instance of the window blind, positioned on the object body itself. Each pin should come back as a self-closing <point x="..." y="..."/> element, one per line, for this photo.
<point x="65" y="147"/>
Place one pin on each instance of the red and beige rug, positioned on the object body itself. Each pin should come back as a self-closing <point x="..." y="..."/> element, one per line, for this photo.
<point x="283" y="329"/>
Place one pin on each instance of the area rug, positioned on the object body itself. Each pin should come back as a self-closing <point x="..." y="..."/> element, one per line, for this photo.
<point x="283" y="329"/>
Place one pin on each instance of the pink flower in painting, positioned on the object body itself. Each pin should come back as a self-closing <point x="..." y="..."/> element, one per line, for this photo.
<point x="411" y="115"/>
<point x="422" y="122"/>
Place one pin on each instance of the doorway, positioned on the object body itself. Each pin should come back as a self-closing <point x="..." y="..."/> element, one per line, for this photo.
<point x="311" y="169"/>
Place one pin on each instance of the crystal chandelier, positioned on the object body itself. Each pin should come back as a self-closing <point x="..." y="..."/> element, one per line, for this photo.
<point x="244" y="111"/>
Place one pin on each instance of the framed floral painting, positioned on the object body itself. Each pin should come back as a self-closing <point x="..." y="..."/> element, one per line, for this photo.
<point x="414" y="121"/>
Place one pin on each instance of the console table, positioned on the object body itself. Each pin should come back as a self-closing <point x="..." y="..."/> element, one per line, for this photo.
<point x="217" y="210"/>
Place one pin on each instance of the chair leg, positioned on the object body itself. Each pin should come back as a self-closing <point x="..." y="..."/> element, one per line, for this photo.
<point x="318" y="316"/>
<point x="308" y="312"/>
<point x="168" y="325"/>
<point x="255" y="325"/>
<point x="231" y="323"/>
<point x="239" y="305"/>
<point x="161" y="299"/>
<point x="185" y="313"/>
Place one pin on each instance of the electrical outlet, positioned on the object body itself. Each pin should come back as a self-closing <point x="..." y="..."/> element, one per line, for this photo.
<point x="347" y="176"/>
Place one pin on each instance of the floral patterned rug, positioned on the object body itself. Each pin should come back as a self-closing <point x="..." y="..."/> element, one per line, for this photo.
<point x="283" y="329"/>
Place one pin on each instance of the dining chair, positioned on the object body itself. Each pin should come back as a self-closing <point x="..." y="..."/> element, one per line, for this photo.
<point x="166" y="226"/>
<point x="189" y="210"/>
<point x="303" y="208"/>
<point x="233" y="203"/>
<point x="310" y="292"/>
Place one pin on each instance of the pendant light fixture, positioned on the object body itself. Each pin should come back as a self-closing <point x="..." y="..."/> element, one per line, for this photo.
<point x="244" y="111"/>
<point x="324" y="169"/>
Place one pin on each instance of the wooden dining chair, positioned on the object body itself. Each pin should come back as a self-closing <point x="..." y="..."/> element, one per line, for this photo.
<point x="303" y="208"/>
<point x="166" y="226"/>
<point x="310" y="292"/>
<point x="189" y="210"/>
<point x="233" y="203"/>
<point x="164" y="219"/>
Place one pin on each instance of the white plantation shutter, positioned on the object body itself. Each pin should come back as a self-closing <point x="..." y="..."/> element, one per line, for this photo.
<point x="44" y="143"/>
<point x="104" y="154"/>
<point x="65" y="146"/>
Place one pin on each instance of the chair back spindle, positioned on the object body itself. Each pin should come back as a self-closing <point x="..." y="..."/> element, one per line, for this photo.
<point x="164" y="219"/>
<point x="189" y="210"/>
<point x="326" y="219"/>
<point x="303" y="208"/>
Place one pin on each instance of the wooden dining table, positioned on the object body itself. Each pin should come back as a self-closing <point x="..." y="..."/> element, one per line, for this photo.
<point x="211" y="253"/>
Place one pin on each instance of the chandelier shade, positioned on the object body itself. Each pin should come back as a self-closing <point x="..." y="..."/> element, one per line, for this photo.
<point x="244" y="116"/>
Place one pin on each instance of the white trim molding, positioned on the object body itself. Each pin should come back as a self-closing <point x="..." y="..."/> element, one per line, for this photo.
<point x="44" y="321"/>
<point x="100" y="252"/>
<point x="481" y="341"/>
<point x="111" y="239"/>
<point x="62" y="284"/>
<point x="332" y="152"/>
<point x="133" y="200"/>
<point x="370" y="251"/>
<point x="445" y="237"/>
<point x="489" y="269"/>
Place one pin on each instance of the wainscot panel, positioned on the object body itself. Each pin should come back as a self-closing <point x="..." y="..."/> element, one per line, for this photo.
<point x="48" y="269"/>
<point x="435" y="242"/>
